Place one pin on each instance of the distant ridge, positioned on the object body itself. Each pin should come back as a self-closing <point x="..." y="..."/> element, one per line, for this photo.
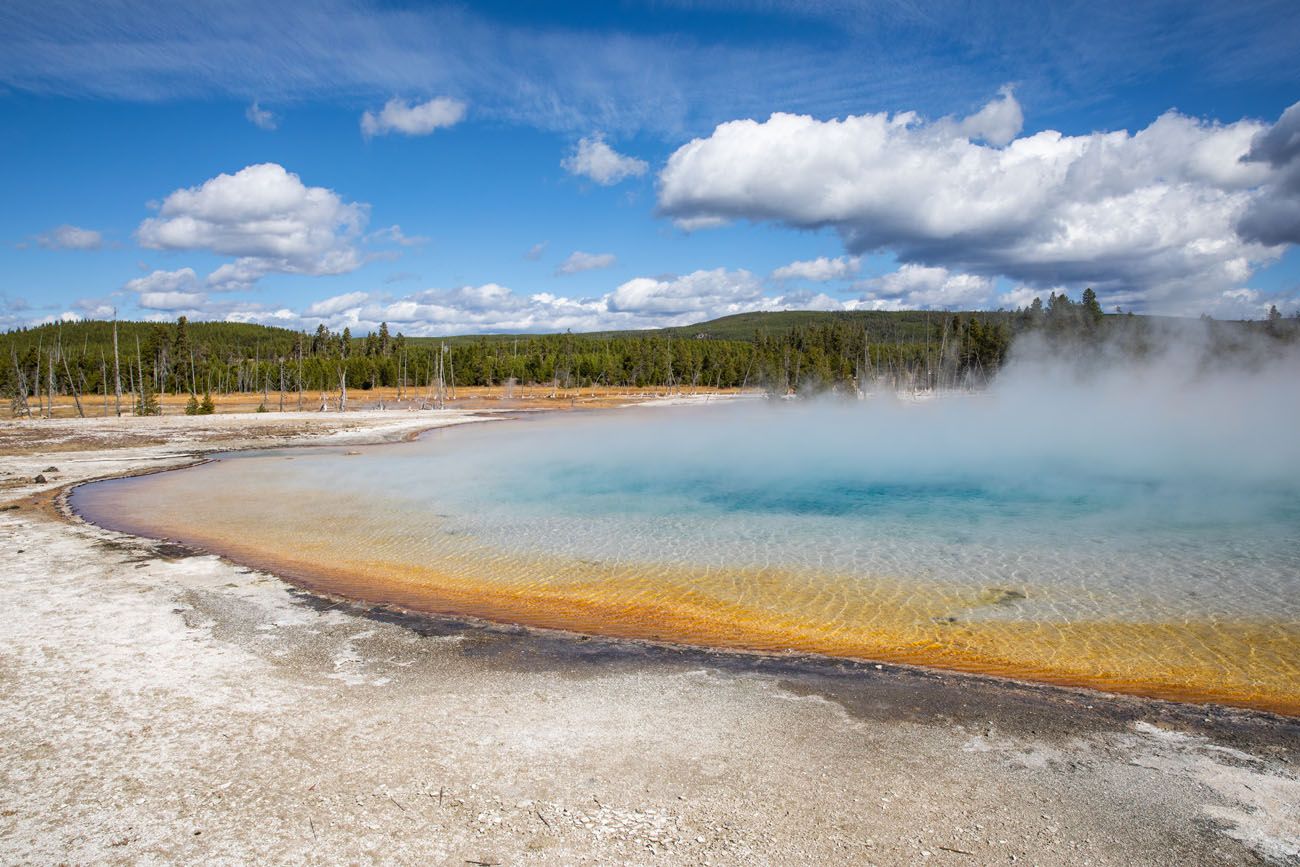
<point x="901" y="324"/>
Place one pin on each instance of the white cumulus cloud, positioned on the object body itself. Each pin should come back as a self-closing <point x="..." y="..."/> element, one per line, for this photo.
<point x="689" y="297"/>
<point x="260" y="117"/>
<point x="819" y="270"/>
<point x="579" y="261"/>
<point x="997" y="123"/>
<point x="917" y="287"/>
<point x="94" y="308"/>
<point x="267" y="218"/>
<point x="171" y="300"/>
<point x="594" y="159"/>
<point x="398" y="115"/>
<point x="337" y="304"/>
<point x="168" y="290"/>
<point x="643" y="302"/>
<point x="67" y="237"/>
<point x="1147" y="218"/>
<point x="180" y="280"/>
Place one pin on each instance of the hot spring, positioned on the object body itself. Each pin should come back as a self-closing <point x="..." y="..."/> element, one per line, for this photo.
<point x="1128" y="536"/>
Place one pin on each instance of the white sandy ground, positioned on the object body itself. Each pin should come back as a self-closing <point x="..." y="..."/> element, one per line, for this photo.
<point x="165" y="709"/>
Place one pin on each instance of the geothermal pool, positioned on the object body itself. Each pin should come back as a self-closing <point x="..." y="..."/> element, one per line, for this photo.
<point x="1106" y="543"/>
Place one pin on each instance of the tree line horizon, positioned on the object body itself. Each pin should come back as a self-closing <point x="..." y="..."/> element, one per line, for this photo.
<point x="791" y="352"/>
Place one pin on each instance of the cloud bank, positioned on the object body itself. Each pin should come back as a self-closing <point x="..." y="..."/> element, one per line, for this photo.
<point x="643" y="302"/>
<point x="1274" y="217"/>
<point x="1148" y="218"/>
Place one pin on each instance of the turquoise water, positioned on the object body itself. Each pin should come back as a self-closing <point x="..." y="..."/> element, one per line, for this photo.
<point x="1141" y="542"/>
<point x="680" y="490"/>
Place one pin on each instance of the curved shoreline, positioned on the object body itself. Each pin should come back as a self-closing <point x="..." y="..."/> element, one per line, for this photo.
<point x="164" y="707"/>
<point x="453" y="598"/>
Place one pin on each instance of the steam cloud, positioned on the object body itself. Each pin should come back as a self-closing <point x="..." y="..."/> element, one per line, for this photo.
<point x="1183" y="418"/>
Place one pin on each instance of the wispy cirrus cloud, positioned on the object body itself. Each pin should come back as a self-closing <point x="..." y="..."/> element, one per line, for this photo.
<point x="606" y="75"/>
<point x="394" y="235"/>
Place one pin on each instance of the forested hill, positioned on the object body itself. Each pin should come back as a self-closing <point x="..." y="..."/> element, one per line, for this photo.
<point x="94" y="337"/>
<point x="881" y="326"/>
<point x="233" y="339"/>
<point x="804" y="351"/>
<point x="780" y="351"/>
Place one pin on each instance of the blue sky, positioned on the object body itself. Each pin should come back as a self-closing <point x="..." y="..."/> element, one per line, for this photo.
<point x="545" y="166"/>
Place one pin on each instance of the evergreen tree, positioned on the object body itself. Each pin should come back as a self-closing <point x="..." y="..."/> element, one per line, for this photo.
<point x="1091" y="307"/>
<point x="321" y="340"/>
<point x="182" y="354"/>
<point x="147" y="402"/>
<point x="207" y="407"/>
<point x="192" y="405"/>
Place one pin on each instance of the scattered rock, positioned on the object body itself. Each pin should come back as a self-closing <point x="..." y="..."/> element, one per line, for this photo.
<point x="40" y="479"/>
<point x="51" y="469"/>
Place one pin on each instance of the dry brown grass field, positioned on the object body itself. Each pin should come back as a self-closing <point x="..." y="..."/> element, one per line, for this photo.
<point x="473" y="397"/>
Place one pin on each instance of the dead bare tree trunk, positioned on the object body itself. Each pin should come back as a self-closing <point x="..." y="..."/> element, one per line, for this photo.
<point x="40" y="408"/>
<point x="52" y="383"/>
<point x="139" y="363"/>
<point x="20" y="387"/>
<point x="442" y="391"/>
<point x="130" y="373"/>
<point x="76" y="398"/>
<point x="117" y="367"/>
